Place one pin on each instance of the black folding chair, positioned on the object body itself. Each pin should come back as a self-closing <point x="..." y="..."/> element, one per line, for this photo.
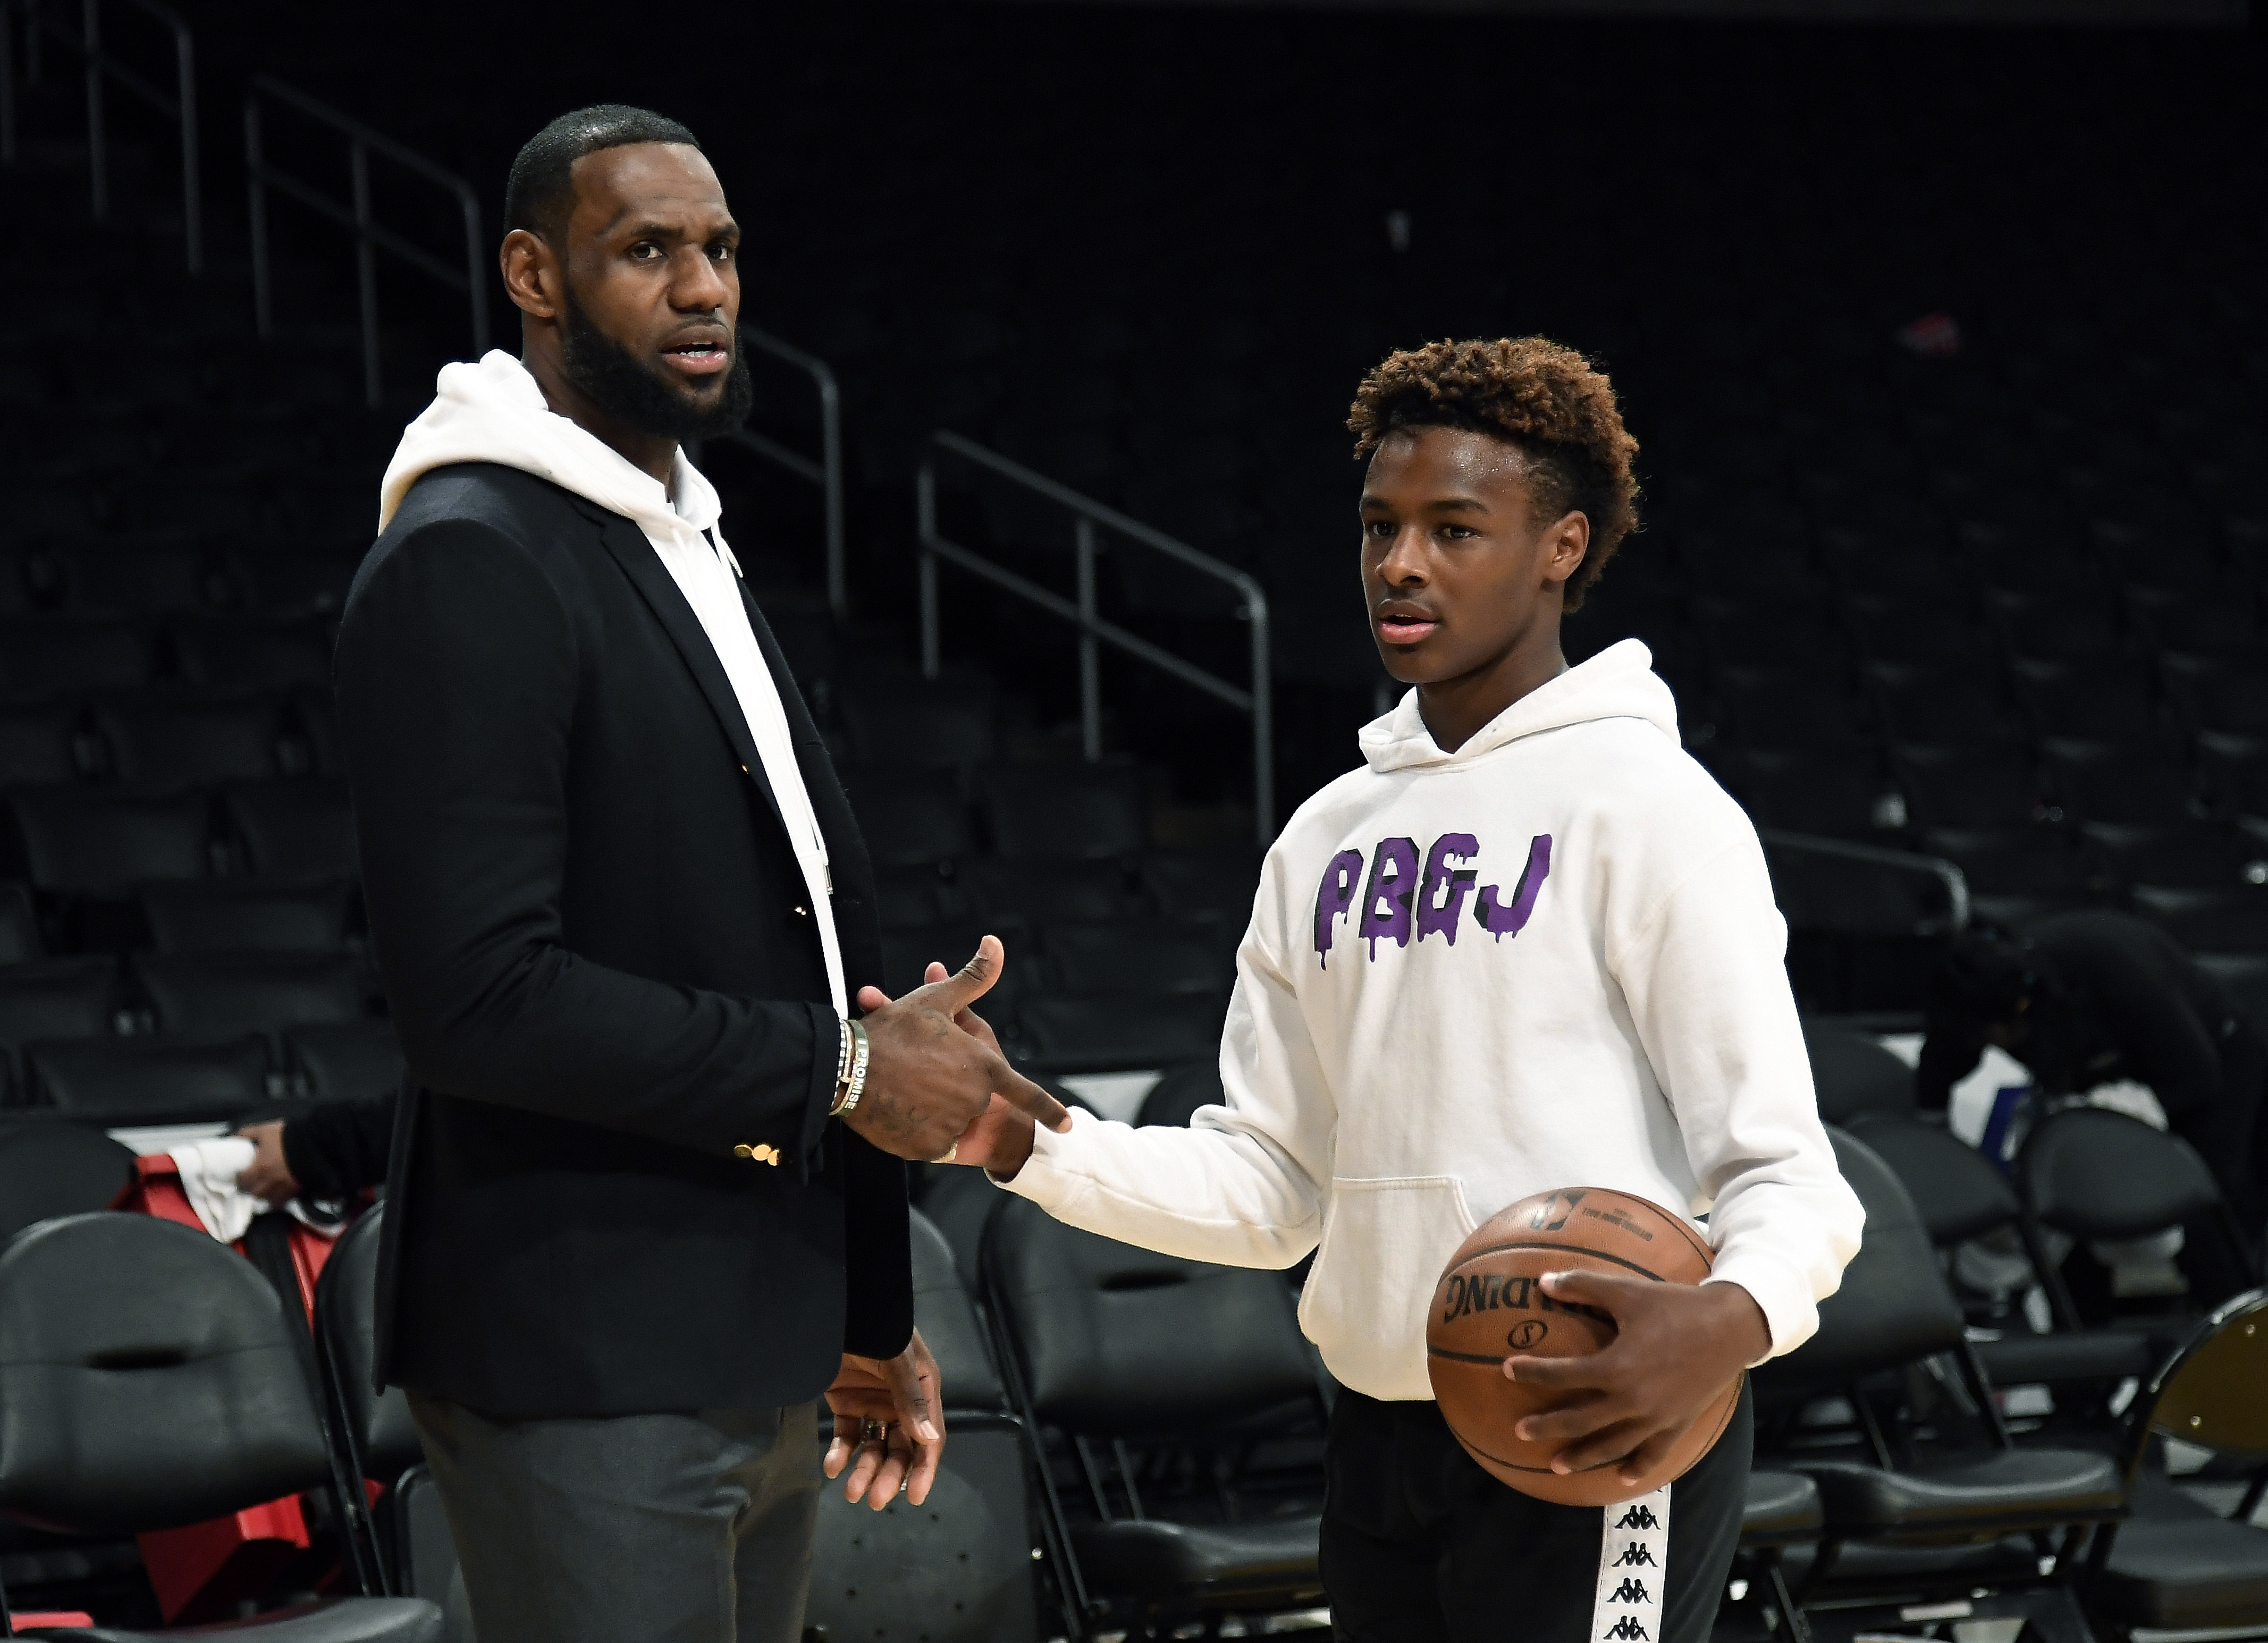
<point x="1961" y="1196"/>
<point x="49" y="1170"/>
<point x="2176" y="1566"/>
<point x="2090" y="1173"/>
<point x="1104" y="1035"/>
<point x="1115" y="1347"/>
<point x="151" y="1381"/>
<point x="1853" y="1075"/>
<point x="402" y="1540"/>
<point x="1176" y="1096"/>
<point x="152" y="1081"/>
<point x="1781" y="1509"/>
<point x="959" y="1567"/>
<point x="1894" y="1313"/>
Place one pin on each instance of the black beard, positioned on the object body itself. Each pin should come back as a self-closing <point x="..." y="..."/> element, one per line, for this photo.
<point x="623" y="387"/>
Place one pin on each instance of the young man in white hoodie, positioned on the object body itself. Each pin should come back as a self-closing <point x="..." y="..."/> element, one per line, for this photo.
<point x="1528" y="944"/>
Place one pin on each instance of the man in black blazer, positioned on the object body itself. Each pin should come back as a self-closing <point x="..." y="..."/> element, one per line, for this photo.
<point x="645" y="1198"/>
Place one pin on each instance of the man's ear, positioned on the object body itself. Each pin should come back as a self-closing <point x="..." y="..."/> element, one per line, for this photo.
<point x="1568" y="541"/>
<point x="533" y="277"/>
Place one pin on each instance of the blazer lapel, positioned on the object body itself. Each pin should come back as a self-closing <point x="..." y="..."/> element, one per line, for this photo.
<point x="853" y="871"/>
<point x="652" y="578"/>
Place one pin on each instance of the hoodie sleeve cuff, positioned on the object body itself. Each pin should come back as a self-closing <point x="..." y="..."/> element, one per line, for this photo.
<point x="1051" y="1176"/>
<point x="1781" y="1292"/>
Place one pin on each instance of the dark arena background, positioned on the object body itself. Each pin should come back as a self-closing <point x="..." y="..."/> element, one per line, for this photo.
<point x="1943" y="331"/>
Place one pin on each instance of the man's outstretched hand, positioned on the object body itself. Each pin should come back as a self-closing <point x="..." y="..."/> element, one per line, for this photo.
<point x="930" y="1074"/>
<point x="1000" y="1138"/>
<point x="1675" y="1347"/>
<point x="904" y="1396"/>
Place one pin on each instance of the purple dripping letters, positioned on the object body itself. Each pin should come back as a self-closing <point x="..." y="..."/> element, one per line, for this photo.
<point x="1334" y="896"/>
<point x="1441" y="896"/>
<point x="1386" y="900"/>
<point x="1400" y="904"/>
<point x="1502" y="921"/>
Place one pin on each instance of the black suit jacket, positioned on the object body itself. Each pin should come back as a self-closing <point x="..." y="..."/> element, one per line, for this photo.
<point x="605" y="976"/>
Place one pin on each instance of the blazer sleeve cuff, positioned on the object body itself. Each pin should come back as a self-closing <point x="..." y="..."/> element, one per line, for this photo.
<point x="827" y="1031"/>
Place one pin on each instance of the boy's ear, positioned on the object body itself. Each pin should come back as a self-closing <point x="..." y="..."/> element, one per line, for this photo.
<point x="1570" y="538"/>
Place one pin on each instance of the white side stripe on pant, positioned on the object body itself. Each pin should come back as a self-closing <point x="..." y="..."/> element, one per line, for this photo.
<point x="1633" y="1563"/>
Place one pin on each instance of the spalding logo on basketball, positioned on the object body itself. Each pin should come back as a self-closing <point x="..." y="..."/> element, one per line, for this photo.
<point x="1490" y="1304"/>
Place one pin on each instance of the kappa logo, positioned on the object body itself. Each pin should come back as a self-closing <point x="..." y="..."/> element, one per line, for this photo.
<point x="1637" y="1555"/>
<point x="1401" y="902"/>
<point x="1640" y="1516"/>
<point x="1628" y="1626"/>
<point x="1630" y="1591"/>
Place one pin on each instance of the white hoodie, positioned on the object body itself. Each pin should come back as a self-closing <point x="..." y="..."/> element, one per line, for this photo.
<point x="1586" y="989"/>
<point x="495" y="412"/>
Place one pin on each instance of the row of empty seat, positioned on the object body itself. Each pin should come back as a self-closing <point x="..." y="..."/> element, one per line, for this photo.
<point x="201" y="992"/>
<point x="157" y="738"/>
<point x="101" y="842"/>
<point x="293" y="507"/>
<point x="175" y="576"/>
<point x="199" y="1078"/>
<point x="1774" y="696"/>
<point x="193" y="916"/>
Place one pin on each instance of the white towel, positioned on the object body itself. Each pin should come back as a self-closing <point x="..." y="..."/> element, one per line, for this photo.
<point x="209" y="1170"/>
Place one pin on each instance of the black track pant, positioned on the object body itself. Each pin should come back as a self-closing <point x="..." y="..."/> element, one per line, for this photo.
<point x="1421" y="1545"/>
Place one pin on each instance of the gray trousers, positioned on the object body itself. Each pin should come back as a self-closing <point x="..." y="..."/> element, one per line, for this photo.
<point x="662" y="1529"/>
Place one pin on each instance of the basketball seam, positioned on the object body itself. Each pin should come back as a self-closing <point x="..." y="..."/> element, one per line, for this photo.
<point x="1562" y="1249"/>
<point x="1676" y="1223"/>
<point x="1515" y="1466"/>
<point x="1732" y="1405"/>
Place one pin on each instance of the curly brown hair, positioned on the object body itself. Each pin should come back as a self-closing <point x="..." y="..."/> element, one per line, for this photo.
<point x="1554" y="405"/>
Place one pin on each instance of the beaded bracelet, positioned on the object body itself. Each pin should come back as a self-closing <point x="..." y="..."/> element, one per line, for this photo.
<point x="853" y="1084"/>
<point x="841" y="1059"/>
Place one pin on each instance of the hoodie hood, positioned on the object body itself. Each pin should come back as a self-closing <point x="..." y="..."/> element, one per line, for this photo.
<point x="492" y="411"/>
<point x="1619" y="683"/>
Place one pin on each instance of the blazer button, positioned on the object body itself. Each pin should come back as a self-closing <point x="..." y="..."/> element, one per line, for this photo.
<point x="761" y="1152"/>
<point x="803" y="912"/>
<point x="744" y="1151"/>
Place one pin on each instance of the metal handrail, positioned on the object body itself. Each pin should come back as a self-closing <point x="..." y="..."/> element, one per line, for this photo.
<point x="827" y="472"/>
<point x="1954" y="881"/>
<point x="182" y="102"/>
<point x="370" y="236"/>
<point x="1095" y="631"/>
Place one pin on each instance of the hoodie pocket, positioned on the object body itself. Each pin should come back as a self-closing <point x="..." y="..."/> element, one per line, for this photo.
<point x="1385" y="1243"/>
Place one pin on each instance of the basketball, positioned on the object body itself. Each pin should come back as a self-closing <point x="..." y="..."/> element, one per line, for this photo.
<point x="1490" y="1305"/>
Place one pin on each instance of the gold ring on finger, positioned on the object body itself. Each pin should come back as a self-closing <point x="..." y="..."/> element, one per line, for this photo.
<point x="873" y="1431"/>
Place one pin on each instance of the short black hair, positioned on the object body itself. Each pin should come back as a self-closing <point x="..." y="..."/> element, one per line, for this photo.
<point x="1554" y="405"/>
<point x="540" y="191"/>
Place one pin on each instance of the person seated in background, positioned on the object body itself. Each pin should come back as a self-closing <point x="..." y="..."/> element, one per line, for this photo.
<point x="329" y="1152"/>
<point x="2093" y="998"/>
